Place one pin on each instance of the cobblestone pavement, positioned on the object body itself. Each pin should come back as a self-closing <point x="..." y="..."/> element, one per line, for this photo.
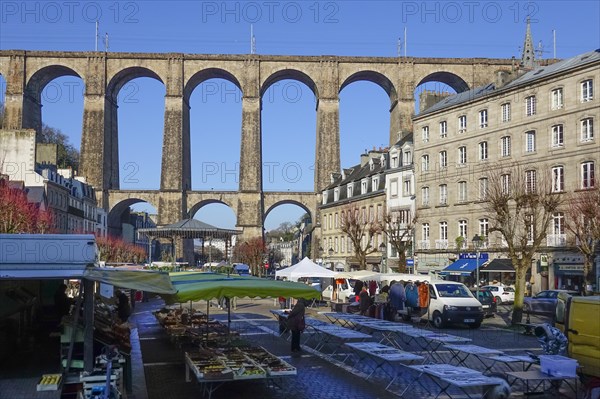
<point x="319" y="376"/>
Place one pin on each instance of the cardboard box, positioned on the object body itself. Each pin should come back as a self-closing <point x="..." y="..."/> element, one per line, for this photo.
<point x="559" y="366"/>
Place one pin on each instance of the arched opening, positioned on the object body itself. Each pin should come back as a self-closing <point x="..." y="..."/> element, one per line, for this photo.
<point x="435" y="87"/>
<point x="215" y="127"/>
<point x="62" y="121"/>
<point x="53" y="106"/>
<point x="289" y="122"/>
<point x="364" y="115"/>
<point x="135" y="129"/>
<point x="127" y="217"/>
<point x="288" y="233"/>
<point x="214" y="249"/>
<point x="32" y="102"/>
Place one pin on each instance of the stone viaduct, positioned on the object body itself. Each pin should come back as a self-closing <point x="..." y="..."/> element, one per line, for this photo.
<point x="104" y="74"/>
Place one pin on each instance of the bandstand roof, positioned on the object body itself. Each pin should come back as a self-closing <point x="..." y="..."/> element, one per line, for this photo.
<point x="188" y="228"/>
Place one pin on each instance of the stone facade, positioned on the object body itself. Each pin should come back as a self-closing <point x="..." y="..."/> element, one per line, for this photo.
<point x="544" y="120"/>
<point x="400" y="194"/>
<point x="104" y="74"/>
<point x="360" y="187"/>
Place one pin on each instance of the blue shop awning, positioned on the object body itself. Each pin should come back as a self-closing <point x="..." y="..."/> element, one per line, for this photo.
<point x="462" y="267"/>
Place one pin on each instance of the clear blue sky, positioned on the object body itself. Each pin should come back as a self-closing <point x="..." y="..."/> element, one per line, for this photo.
<point x="363" y="28"/>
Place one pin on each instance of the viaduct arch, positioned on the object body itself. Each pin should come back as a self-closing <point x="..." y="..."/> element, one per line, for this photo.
<point x="104" y="74"/>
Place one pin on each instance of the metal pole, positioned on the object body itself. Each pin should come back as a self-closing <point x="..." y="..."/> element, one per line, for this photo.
<point x="477" y="273"/>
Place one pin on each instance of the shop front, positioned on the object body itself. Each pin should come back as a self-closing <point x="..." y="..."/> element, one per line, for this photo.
<point x="464" y="270"/>
<point x="568" y="272"/>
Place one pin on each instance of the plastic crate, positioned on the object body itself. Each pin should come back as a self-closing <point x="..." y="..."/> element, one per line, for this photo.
<point x="560" y="366"/>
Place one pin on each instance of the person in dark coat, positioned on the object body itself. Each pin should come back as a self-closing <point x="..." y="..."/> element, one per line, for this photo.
<point x="364" y="301"/>
<point x="123" y="308"/>
<point x="296" y="323"/>
<point x="358" y="286"/>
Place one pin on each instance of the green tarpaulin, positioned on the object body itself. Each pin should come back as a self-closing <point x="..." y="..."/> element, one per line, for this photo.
<point x="141" y="280"/>
<point x="193" y="286"/>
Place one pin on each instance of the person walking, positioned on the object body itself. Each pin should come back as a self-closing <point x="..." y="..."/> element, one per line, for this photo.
<point x="296" y="323"/>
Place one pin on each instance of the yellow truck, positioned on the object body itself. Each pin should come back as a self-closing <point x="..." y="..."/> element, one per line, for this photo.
<point x="579" y="319"/>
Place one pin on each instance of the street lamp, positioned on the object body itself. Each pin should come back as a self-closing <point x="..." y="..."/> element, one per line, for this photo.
<point x="330" y="253"/>
<point x="382" y="249"/>
<point x="477" y="245"/>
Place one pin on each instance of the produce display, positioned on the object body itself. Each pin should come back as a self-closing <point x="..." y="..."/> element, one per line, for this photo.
<point x="237" y="363"/>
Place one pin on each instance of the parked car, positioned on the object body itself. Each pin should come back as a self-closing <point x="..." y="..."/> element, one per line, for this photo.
<point x="544" y="302"/>
<point x="488" y="301"/>
<point x="502" y="294"/>
<point x="452" y="302"/>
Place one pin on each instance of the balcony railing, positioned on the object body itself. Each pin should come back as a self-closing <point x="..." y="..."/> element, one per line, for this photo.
<point x="556" y="240"/>
<point x="441" y="244"/>
<point x="424" y="244"/>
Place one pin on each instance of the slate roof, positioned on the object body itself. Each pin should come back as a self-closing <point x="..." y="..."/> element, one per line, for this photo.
<point x="527" y="78"/>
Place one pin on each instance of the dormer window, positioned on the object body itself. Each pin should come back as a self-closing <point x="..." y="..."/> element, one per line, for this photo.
<point x="324" y="197"/>
<point x="407" y="158"/>
<point x="336" y="194"/>
<point x="371" y="164"/>
<point x="394" y="162"/>
<point x="375" y="184"/>
<point x="363" y="187"/>
<point x="349" y="190"/>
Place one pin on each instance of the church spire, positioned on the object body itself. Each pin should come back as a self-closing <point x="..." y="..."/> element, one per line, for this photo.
<point x="528" y="56"/>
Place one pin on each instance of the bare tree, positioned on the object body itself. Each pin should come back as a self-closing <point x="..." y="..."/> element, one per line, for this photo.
<point x="398" y="226"/>
<point x="520" y="206"/>
<point x="252" y="252"/>
<point x="583" y="222"/>
<point x="361" y="229"/>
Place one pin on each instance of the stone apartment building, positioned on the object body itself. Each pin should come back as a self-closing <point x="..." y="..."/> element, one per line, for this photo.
<point x="544" y="119"/>
<point x="383" y="183"/>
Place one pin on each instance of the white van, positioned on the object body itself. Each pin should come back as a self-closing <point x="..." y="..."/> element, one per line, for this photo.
<point x="449" y="302"/>
<point x="452" y="302"/>
<point x="344" y="290"/>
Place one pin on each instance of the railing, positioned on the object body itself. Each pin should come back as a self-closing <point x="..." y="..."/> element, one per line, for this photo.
<point x="424" y="244"/>
<point x="441" y="244"/>
<point x="556" y="240"/>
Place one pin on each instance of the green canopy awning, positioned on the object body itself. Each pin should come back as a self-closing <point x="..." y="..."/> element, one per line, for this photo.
<point x="141" y="280"/>
<point x="193" y="286"/>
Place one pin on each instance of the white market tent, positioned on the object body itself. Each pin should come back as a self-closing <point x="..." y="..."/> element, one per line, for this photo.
<point x="304" y="268"/>
<point x="363" y="275"/>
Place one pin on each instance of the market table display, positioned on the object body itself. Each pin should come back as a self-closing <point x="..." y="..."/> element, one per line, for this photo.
<point x="282" y="316"/>
<point x="429" y="341"/>
<point x="382" y="355"/>
<point x="532" y="380"/>
<point x="215" y="367"/>
<point x="461" y="353"/>
<point x="387" y="330"/>
<point x="446" y="376"/>
<point x="525" y="361"/>
<point x="344" y="319"/>
<point x="326" y="334"/>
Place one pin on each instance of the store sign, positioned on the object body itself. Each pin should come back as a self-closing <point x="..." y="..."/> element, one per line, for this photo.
<point x="572" y="268"/>
<point x="472" y="255"/>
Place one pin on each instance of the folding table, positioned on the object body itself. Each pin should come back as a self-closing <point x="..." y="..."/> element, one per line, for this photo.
<point x="382" y="355"/>
<point x="446" y="376"/>
<point x="537" y="379"/>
